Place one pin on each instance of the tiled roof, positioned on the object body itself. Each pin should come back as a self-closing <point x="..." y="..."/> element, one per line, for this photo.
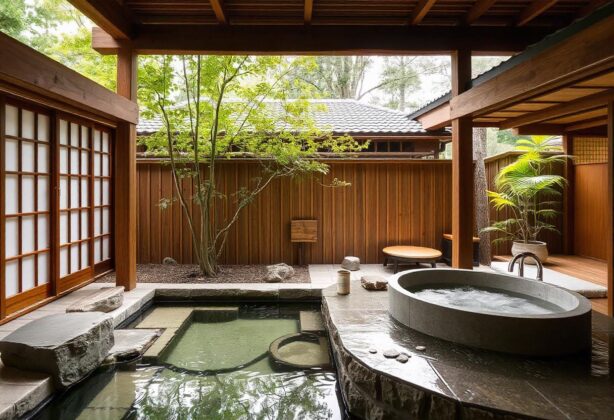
<point x="341" y="116"/>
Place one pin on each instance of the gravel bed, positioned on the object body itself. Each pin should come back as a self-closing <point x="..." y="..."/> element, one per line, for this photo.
<point x="187" y="273"/>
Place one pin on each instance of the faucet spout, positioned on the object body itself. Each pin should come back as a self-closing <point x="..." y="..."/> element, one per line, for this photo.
<point x="520" y="258"/>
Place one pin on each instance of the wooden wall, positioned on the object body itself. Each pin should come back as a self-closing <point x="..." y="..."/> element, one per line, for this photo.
<point x="388" y="203"/>
<point x="590" y="205"/>
<point x="554" y="240"/>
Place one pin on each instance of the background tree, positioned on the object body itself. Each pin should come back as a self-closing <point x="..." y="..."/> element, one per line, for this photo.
<point x="227" y="111"/>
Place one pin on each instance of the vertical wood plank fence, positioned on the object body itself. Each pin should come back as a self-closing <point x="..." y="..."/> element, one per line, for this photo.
<point x="387" y="203"/>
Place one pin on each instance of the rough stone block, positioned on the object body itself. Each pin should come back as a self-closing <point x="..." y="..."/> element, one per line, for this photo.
<point x="351" y="263"/>
<point x="106" y="299"/>
<point x="130" y="344"/>
<point x="278" y="272"/>
<point x="374" y="283"/>
<point x="66" y="346"/>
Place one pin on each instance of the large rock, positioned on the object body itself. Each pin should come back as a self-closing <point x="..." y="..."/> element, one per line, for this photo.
<point x="106" y="299"/>
<point x="278" y="272"/>
<point x="66" y="346"/>
<point x="351" y="263"/>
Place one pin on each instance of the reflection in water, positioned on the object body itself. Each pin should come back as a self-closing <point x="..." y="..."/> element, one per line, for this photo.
<point x="239" y="395"/>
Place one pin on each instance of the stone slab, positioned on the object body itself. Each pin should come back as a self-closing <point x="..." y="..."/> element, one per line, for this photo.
<point x="21" y="391"/>
<point x="131" y="343"/>
<point x="106" y="299"/>
<point x="311" y="322"/>
<point x="66" y="346"/>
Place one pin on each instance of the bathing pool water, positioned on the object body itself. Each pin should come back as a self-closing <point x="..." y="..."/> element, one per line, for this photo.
<point x="214" y="369"/>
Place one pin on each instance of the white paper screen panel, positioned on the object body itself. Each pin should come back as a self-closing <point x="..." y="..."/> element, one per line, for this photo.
<point x="75" y="179"/>
<point x="102" y="196"/>
<point x="26" y="199"/>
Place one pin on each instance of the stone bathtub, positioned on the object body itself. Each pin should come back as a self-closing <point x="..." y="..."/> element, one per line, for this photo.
<point x="492" y="311"/>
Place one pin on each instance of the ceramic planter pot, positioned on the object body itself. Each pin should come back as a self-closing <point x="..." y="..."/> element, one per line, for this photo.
<point x="536" y="247"/>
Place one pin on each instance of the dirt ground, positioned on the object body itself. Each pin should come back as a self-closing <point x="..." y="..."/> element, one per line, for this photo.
<point x="182" y="273"/>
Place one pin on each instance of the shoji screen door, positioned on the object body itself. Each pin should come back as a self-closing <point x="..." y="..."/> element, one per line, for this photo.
<point x="55" y="203"/>
<point x="102" y="199"/>
<point x="26" y="166"/>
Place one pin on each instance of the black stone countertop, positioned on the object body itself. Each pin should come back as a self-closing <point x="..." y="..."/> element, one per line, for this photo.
<point x="571" y="387"/>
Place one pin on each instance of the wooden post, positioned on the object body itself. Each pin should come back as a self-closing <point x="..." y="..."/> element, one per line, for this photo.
<point x="568" y="198"/>
<point x="125" y="178"/>
<point x="462" y="169"/>
<point x="610" y="211"/>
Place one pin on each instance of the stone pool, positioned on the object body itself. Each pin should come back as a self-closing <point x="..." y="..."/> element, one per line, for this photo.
<point x="214" y="362"/>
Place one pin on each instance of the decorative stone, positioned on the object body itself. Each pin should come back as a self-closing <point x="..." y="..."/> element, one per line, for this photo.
<point x="372" y="350"/>
<point x="66" y="346"/>
<point x="402" y="358"/>
<point x="169" y="261"/>
<point x="106" y="299"/>
<point x="278" y="272"/>
<point x="130" y="344"/>
<point x="374" y="283"/>
<point x="351" y="263"/>
<point x="420" y="348"/>
<point x="391" y="354"/>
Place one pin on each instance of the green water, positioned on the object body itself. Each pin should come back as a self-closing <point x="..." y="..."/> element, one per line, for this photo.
<point x="214" y="346"/>
<point x="215" y="370"/>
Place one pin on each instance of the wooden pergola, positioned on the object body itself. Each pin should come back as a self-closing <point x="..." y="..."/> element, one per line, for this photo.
<point x="459" y="28"/>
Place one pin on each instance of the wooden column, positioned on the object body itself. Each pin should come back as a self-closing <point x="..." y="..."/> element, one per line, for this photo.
<point x="462" y="169"/>
<point x="611" y="208"/>
<point x="125" y="178"/>
<point x="568" y="198"/>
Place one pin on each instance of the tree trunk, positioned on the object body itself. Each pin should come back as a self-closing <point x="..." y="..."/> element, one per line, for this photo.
<point x="482" y="211"/>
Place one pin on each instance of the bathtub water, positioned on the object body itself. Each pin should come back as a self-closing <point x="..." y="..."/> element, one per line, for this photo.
<point x="485" y="299"/>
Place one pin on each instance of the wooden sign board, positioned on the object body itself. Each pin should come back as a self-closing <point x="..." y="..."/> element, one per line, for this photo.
<point x="304" y="231"/>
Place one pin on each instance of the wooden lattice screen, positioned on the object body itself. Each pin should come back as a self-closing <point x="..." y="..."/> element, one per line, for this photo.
<point x="56" y="203"/>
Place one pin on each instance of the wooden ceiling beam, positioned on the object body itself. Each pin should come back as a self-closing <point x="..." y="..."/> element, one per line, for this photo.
<point x="218" y="9"/>
<point x="564" y="64"/>
<point x="536" y="8"/>
<point x="109" y="15"/>
<point x="27" y="69"/>
<point x="479" y="8"/>
<point x="319" y="40"/>
<point x="592" y="123"/>
<point x="572" y="107"/>
<point x="539" y="130"/>
<point x="420" y="11"/>
<point x="308" y="15"/>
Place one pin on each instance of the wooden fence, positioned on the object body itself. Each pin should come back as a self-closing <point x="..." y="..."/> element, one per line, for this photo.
<point x="387" y="203"/>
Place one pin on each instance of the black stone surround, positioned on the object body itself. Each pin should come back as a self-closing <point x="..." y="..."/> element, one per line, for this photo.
<point x="448" y="381"/>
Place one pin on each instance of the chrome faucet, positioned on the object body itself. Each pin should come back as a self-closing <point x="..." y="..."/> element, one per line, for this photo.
<point x="522" y="256"/>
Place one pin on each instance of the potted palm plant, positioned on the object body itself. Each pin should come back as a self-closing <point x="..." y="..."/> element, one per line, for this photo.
<point x="530" y="193"/>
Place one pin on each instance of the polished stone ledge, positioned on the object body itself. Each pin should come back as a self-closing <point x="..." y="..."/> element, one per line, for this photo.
<point x="449" y="381"/>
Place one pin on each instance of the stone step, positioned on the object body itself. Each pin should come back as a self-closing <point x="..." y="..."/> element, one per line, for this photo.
<point x="311" y="322"/>
<point x="106" y="299"/>
<point x="66" y="346"/>
<point x="131" y="343"/>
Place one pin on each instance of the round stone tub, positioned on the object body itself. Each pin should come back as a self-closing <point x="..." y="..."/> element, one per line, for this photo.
<point x="492" y="311"/>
